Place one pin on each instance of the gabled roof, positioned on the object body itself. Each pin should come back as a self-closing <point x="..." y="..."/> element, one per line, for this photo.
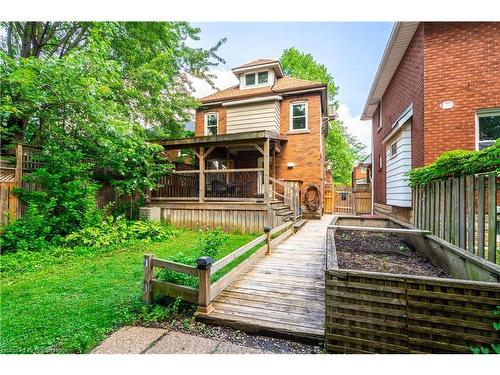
<point x="281" y="86"/>
<point x="401" y="36"/>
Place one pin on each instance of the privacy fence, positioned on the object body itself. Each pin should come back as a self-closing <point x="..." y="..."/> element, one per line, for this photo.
<point x="462" y="211"/>
<point x="26" y="162"/>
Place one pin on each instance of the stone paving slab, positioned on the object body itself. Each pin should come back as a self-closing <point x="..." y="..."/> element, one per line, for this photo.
<point x="139" y="340"/>
<point x="130" y="340"/>
<point x="181" y="343"/>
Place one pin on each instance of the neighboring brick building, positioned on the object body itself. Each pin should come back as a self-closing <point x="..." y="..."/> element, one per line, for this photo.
<point x="437" y="89"/>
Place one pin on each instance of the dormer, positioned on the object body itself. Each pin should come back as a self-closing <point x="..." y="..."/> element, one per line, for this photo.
<point x="258" y="73"/>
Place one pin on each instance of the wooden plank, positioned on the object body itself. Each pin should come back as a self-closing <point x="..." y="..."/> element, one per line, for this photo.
<point x="376" y="229"/>
<point x="186" y="293"/>
<point x="492" y="218"/>
<point x="442" y="198"/>
<point x="455" y="212"/>
<point x="432" y="212"/>
<point x="461" y="213"/>
<point x="480" y="215"/>
<point x="449" y="215"/>
<point x="173" y="266"/>
<point x="147" y="292"/>
<point x="470" y="214"/>
<point x="237" y="253"/>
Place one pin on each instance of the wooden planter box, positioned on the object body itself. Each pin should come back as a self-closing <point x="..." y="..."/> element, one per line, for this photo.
<point x="373" y="312"/>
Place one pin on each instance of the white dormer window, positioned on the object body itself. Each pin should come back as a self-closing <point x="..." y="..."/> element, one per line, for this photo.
<point x="256" y="79"/>
<point x="211" y="123"/>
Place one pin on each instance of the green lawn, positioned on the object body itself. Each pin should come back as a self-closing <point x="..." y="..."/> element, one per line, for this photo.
<point x="70" y="305"/>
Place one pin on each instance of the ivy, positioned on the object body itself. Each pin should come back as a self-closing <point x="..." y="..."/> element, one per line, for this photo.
<point x="457" y="163"/>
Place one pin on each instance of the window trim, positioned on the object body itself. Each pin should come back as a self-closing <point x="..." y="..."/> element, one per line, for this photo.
<point x="206" y="122"/>
<point x="393" y="155"/>
<point x="483" y="113"/>
<point x="291" y="129"/>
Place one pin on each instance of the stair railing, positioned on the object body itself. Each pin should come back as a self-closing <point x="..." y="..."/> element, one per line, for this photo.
<point x="290" y="195"/>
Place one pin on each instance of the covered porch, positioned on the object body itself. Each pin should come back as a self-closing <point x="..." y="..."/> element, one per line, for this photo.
<point x="230" y="180"/>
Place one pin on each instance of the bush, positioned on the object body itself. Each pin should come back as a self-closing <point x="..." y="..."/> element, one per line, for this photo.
<point x="114" y="231"/>
<point x="457" y="163"/>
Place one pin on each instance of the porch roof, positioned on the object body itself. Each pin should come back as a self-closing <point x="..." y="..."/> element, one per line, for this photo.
<point x="220" y="139"/>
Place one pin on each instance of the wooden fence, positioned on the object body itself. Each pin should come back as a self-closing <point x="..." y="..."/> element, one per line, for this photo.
<point x="462" y="211"/>
<point x="339" y="199"/>
<point x="207" y="290"/>
<point x="368" y="312"/>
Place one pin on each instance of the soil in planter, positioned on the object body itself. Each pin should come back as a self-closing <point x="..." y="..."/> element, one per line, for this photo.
<point x="381" y="252"/>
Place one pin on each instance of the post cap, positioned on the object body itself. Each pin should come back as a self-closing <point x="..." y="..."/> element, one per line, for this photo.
<point x="204" y="263"/>
<point x="267" y="229"/>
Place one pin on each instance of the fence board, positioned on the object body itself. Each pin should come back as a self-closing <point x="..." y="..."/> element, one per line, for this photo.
<point x="470" y="213"/>
<point x="480" y="216"/>
<point x="492" y="217"/>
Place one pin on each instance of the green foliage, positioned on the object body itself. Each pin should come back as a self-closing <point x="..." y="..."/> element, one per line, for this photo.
<point x="458" y="163"/>
<point x="115" y="231"/>
<point x="343" y="150"/>
<point x="208" y="243"/>
<point x="495" y="347"/>
<point x="73" y="298"/>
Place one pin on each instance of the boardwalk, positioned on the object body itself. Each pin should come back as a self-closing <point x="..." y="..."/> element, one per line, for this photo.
<point x="284" y="293"/>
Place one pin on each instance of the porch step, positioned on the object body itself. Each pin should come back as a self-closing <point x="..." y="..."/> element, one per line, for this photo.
<point x="286" y="212"/>
<point x="299" y="224"/>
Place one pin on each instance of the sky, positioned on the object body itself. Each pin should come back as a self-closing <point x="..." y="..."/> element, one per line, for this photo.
<point x="351" y="51"/>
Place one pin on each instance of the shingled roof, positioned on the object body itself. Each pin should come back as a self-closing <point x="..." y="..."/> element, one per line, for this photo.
<point x="281" y="86"/>
<point x="256" y="63"/>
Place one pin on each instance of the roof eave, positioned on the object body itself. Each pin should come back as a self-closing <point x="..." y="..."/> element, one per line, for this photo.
<point x="401" y="36"/>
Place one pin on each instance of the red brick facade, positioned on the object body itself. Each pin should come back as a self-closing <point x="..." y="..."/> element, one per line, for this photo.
<point x="304" y="148"/>
<point x="458" y="62"/>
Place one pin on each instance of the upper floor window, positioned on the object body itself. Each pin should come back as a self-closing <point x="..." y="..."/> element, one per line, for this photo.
<point x="394" y="149"/>
<point x="211" y="123"/>
<point x="488" y="128"/>
<point x="259" y="78"/>
<point x="298" y="118"/>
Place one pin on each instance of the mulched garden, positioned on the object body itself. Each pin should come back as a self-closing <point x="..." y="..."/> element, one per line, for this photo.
<point x="381" y="252"/>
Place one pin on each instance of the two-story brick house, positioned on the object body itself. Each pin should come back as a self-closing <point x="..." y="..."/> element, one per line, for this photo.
<point x="437" y="89"/>
<point x="259" y="149"/>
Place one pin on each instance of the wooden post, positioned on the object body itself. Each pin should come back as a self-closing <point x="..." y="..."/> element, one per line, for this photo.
<point x="492" y="217"/>
<point x="147" y="293"/>
<point x="201" y="159"/>
<point x="18" y="178"/>
<point x="267" y="231"/>
<point x="204" y="299"/>
<point x="266" y="171"/>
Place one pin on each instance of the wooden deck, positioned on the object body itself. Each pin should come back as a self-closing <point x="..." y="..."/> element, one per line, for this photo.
<point x="282" y="294"/>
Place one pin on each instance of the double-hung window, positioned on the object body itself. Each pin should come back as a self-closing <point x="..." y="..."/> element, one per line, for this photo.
<point x="488" y="128"/>
<point x="298" y="116"/>
<point x="211" y="123"/>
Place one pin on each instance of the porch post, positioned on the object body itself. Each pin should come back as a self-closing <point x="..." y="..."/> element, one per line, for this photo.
<point x="201" y="158"/>
<point x="266" y="171"/>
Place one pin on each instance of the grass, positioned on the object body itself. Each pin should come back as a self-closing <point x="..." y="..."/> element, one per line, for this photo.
<point x="70" y="304"/>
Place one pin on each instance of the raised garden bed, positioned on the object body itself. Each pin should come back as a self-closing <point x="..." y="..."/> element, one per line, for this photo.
<point x="383" y="296"/>
<point x="382" y="252"/>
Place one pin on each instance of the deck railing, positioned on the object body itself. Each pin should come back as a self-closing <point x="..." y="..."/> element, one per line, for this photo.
<point x="234" y="184"/>
<point x="181" y="184"/>
<point x="288" y="193"/>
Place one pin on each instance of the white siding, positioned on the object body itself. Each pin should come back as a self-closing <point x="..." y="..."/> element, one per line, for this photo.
<point x="398" y="190"/>
<point x="252" y="117"/>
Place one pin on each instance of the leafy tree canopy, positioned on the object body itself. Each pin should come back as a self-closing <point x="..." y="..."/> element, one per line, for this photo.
<point x="342" y="150"/>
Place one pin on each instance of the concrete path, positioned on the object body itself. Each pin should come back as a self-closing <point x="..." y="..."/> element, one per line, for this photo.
<point x="142" y="340"/>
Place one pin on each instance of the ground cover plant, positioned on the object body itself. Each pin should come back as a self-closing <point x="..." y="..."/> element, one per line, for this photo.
<point x="66" y="299"/>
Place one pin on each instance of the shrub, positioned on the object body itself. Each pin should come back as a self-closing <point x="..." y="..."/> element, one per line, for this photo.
<point x="210" y="242"/>
<point x="458" y="163"/>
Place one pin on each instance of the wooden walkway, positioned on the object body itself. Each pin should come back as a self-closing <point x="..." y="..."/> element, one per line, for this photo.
<point x="284" y="293"/>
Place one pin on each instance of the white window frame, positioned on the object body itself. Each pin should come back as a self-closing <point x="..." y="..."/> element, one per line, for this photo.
<point x="206" y="122"/>
<point x="483" y="113"/>
<point x="256" y="75"/>
<point x="291" y="129"/>
<point x="390" y="149"/>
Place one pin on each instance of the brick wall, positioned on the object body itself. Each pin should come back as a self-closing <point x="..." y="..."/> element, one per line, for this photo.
<point x="405" y="88"/>
<point x="200" y="120"/>
<point x="462" y="64"/>
<point x="303" y="149"/>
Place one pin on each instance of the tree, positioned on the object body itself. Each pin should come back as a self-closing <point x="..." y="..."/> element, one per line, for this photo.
<point x="342" y="150"/>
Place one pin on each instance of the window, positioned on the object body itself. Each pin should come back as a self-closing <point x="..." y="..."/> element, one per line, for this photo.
<point x="394" y="149"/>
<point x="263" y="77"/>
<point x="488" y="128"/>
<point x="211" y="123"/>
<point x="298" y="116"/>
<point x="250" y="79"/>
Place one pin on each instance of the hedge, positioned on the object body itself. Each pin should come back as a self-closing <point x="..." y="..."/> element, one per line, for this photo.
<point x="457" y="163"/>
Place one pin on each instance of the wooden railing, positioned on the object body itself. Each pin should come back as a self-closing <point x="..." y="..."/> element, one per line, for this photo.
<point x="462" y="211"/>
<point x="181" y="184"/>
<point x="207" y="290"/>
<point x="289" y="194"/>
<point x="234" y="184"/>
